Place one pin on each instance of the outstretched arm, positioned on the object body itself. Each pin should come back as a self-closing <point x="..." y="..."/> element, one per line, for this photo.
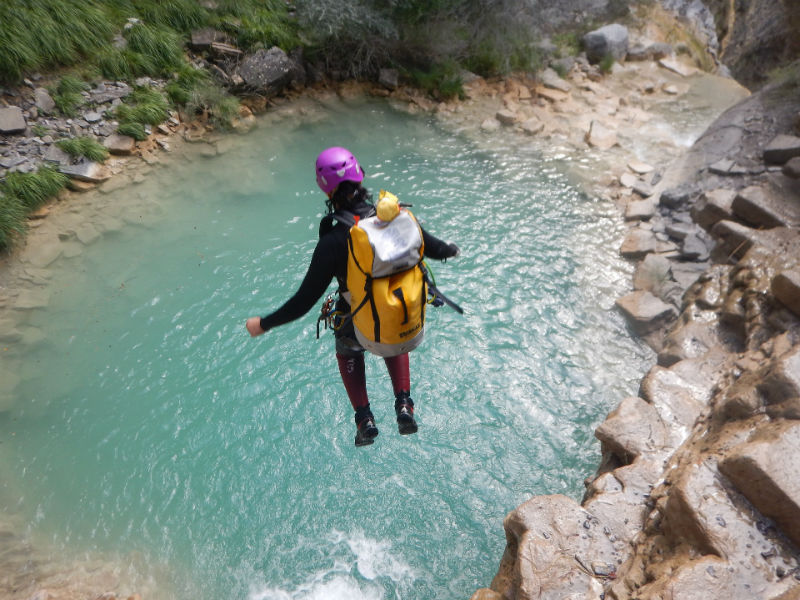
<point x="438" y="249"/>
<point x="316" y="281"/>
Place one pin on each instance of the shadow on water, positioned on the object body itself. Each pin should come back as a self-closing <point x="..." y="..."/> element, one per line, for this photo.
<point x="147" y="421"/>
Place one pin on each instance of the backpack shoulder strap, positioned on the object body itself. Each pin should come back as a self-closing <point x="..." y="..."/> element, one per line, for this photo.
<point x="330" y="221"/>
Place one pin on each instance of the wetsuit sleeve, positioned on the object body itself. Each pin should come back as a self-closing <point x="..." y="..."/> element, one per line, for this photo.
<point x="316" y="281"/>
<point x="436" y="248"/>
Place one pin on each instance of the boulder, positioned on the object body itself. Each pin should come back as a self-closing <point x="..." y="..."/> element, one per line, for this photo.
<point x="553" y="549"/>
<point x="678" y="197"/>
<point x="645" y="312"/>
<point x="506" y="117"/>
<point x="632" y="429"/>
<point x="652" y="273"/>
<point x="118" y="144"/>
<point x="692" y="340"/>
<point x="792" y="168"/>
<point x="532" y="126"/>
<point x="389" y="78"/>
<point x="619" y="498"/>
<point x="712" y="207"/>
<point x="786" y="288"/>
<point x="639" y="167"/>
<point x="202" y="39"/>
<point x="763" y="471"/>
<point x="781" y="149"/>
<point x="611" y="40"/>
<point x="88" y="171"/>
<point x="680" y="392"/>
<point x="552" y="80"/>
<point x="734" y="239"/>
<point x="267" y="71"/>
<point x="44" y="102"/>
<point x="638" y="243"/>
<point x="640" y="210"/>
<point x="693" y="247"/>
<point x="781" y="381"/>
<point x="601" y="137"/>
<point x="550" y="94"/>
<point x="12" y="120"/>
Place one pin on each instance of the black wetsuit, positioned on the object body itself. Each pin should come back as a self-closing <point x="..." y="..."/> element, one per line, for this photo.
<point x="330" y="260"/>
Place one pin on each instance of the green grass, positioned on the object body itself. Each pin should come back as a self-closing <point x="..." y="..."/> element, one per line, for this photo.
<point x="12" y="220"/>
<point x="39" y="130"/>
<point x="34" y="189"/>
<point x="606" y="64"/>
<point x="42" y="34"/>
<point x="442" y="80"/>
<point x="179" y="90"/>
<point x="84" y="146"/>
<point x="67" y="94"/>
<point x="210" y="98"/>
<point x="134" y="130"/>
<point x="145" y="106"/>
<point x="161" y="47"/>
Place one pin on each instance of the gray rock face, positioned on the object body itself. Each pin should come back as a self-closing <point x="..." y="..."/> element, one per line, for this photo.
<point x="12" y="120"/>
<point x="266" y="71"/>
<point x="611" y="40"/>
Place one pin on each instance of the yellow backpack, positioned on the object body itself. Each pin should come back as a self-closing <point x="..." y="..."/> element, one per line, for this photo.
<point x="385" y="279"/>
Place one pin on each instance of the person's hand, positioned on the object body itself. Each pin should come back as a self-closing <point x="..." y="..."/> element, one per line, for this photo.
<point x="254" y="326"/>
<point x="454" y="250"/>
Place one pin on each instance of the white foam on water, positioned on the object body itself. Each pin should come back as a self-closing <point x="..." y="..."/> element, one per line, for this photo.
<point x="362" y="569"/>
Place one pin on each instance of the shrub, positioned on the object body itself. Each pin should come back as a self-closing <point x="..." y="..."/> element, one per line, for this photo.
<point x="67" y="94"/>
<point x="12" y="220"/>
<point x="33" y="189"/>
<point x="84" y="146"/>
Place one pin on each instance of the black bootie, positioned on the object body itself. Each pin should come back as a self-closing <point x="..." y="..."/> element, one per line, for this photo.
<point x="366" y="430"/>
<point x="404" y="409"/>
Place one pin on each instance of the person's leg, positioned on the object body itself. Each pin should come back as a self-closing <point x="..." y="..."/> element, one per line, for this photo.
<point x="351" y="368"/>
<point x="399" y="372"/>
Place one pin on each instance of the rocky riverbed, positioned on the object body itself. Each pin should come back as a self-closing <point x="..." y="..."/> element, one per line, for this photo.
<point x="689" y="501"/>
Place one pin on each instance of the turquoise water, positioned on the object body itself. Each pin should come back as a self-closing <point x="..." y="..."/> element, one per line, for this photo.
<point x="147" y="421"/>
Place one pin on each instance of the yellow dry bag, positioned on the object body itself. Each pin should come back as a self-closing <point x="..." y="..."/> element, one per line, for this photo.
<point x="385" y="281"/>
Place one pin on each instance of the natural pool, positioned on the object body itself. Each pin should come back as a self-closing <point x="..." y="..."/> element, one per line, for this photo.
<point x="147" y="421"/>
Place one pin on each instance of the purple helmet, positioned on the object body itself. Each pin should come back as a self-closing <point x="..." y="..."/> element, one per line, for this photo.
<point x="335" y="165"/>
